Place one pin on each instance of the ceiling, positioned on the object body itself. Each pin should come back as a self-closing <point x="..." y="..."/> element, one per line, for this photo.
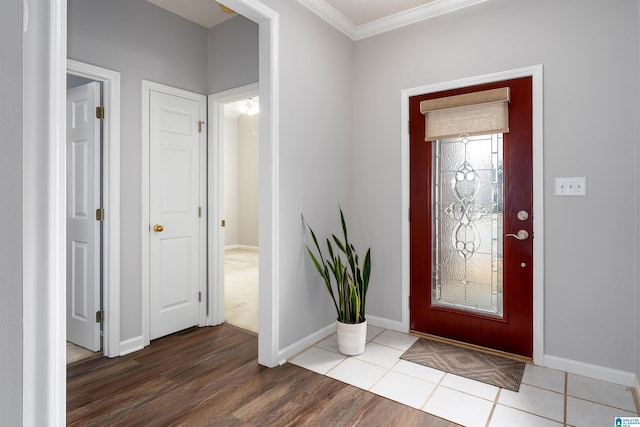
<point x="207" y="13"/>
<point x="357" y="19"/>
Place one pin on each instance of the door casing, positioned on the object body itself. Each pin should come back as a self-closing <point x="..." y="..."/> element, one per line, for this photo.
<point x="84" y="234"/>
<point x="147" y="87"/>
<point x="111" y="199"/>
<point x="215" y="214"/>
<point x="538" y="191"/>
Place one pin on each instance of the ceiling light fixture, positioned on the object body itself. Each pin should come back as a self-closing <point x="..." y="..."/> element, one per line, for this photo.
<point x="226" y="9"/>
<point x="251" y="107"/>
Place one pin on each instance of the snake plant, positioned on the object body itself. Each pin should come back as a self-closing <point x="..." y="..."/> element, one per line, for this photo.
<point x="341" y="269"/>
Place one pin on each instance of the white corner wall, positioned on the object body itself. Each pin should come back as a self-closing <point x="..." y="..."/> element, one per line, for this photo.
<point x="241" y="180"/>
<point x="589" y="54"/>
<point x="248" y="147"/>
<point x="315" y="160"/>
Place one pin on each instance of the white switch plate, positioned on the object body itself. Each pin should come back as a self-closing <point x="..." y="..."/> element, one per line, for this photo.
<point x="571" y="186"/>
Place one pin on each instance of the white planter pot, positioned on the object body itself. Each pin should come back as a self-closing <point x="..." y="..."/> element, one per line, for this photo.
<point x="351" y="337"/>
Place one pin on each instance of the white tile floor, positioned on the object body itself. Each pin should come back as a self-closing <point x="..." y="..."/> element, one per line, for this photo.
<point x="546" y="397"/>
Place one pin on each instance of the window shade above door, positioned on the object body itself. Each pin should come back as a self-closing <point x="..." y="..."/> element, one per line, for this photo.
<point x="476" y="113"/>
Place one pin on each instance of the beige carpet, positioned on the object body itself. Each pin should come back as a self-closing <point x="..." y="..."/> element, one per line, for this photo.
<point x="241" y="288"/>
<point x="75" y="353"/>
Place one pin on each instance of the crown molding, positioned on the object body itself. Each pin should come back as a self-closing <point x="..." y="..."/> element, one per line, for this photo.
<point x="392" y="22"/>
<point x="332" y="16"/>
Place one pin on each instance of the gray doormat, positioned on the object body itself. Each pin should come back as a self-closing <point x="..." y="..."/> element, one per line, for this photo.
<point x="476" y="365"/>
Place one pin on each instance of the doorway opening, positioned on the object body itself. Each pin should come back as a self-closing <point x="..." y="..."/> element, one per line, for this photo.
<point x="84" y="233"/>
<point x="106" y="285"/>
<point x="241" y="243"/>
<point x="470" y="186"/>
<point x="535" y="72"/>
<point x="234" y="191"/>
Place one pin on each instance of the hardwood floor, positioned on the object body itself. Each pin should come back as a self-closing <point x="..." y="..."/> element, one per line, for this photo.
<point x="211" y="377"/>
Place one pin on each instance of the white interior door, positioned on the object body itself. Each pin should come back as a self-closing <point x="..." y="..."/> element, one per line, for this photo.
<point x="174" y="213"/>
<point x="83" y="230"/>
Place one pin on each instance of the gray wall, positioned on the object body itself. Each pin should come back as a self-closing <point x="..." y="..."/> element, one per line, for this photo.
<point x="315" y="160"/>
<point x="141" y="41"/>
<point x="11" y="146"/>
<point x="637" y="278"/>
<point x="589" y="54"/>
<point x="232" y="54"/>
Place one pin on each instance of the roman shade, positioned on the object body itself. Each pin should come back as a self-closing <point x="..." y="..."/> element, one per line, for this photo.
<point x="476" y="113"/>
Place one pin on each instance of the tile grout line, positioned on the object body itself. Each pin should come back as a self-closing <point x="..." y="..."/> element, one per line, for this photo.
<point x="566" y="390"/>
<point x="432" y="393"/>
<point x="383" y="375"/>
<point x="493" y="408"/>
<point x="636" y="400"/>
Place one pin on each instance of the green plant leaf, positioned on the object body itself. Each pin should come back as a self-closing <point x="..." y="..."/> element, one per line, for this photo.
<point x="343" y="267"/>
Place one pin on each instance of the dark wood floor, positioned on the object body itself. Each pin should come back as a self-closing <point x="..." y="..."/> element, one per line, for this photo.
<point x="211" y="377"/>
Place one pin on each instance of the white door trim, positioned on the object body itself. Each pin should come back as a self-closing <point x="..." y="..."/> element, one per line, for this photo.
<point x="147" y="87"/>
<point x="538" y="191"/>
<point x="215" y="214"/>
<point x="268" y="21"/>
<point x="111" y="198"/>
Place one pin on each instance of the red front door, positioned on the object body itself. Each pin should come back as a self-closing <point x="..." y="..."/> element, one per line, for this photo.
<point x="471" y="229"/>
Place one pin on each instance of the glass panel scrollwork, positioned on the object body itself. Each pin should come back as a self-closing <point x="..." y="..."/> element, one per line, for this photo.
<point x="467" y="223"/>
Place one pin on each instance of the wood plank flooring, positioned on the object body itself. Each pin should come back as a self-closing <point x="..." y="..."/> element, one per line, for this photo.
<point x="211" y="377"/>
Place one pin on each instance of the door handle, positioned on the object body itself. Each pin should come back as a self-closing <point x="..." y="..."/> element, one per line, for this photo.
<point x="522" y="235"/>
<point x="158" y="228"/>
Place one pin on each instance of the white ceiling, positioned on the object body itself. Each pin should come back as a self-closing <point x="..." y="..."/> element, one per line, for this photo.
<point x="361" y="12"/>
<point x="357" y="19"/>
<point x="203" y="12"/>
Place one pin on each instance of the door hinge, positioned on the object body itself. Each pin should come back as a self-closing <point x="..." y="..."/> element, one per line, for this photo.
<point x="409" y="214"/>
<point x="100" y="112"/>
<point x="199" y="296"/>
<point x="200" y="212"/>
<point x="99" y="316"/>
<point x="223" y="223"/>
<point x="200" y="123"/>
<point x="100" y="214"/>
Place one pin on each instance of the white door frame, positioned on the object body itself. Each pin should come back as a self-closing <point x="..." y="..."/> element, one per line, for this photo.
<point x="44" y="365"/>
<point x="110" y="198"/>
<point x="538" y="191"/>
<point x="216" y="195"/>
<point x="147" y="87"/>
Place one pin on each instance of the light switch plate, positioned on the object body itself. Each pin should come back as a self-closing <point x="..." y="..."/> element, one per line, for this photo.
<point x="571" y="186"/>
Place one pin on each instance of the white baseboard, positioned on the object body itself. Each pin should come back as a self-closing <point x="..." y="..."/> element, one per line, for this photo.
<point x="598" y="372"/>
<point x="306" y="342"/>
<point x="131" y="345"/>
<point x="245" y="247"/>
<point x="382" y="322"/>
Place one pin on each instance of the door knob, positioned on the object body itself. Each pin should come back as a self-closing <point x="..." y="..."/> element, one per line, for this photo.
<point x="522" y="235"/>
<point x="158" y="228"/>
